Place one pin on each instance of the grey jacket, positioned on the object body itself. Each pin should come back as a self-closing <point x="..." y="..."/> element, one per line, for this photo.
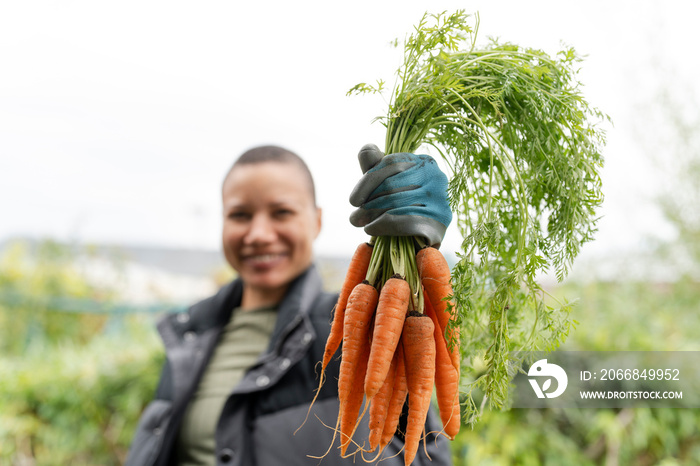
<point x="259" y="420"/>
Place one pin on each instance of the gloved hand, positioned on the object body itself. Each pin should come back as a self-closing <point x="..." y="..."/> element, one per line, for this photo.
<point x="401" y="195"/>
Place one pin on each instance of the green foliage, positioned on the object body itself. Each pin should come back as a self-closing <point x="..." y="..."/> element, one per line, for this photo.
<point x="524" y="150"/>
<point x="636" y="316"/>
<point x="70" y="393"/>
<point x="31" y="283"/>
<point x="77" y="403"/>
<point x="622" y="316"/>
<point x="640" y="436"/>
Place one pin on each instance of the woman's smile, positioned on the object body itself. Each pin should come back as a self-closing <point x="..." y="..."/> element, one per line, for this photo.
<point x="264" y="260"/>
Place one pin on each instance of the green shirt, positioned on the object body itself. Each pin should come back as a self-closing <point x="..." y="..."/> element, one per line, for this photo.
<point x="242" y="342"/>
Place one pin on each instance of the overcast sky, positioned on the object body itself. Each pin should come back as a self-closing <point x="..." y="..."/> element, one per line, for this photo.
<point x="119" y="119"/>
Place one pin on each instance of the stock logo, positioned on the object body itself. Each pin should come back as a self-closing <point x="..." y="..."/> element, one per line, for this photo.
<point x="541" y="369"/>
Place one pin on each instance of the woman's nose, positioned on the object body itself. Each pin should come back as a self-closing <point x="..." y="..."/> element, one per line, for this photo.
<point x="261" y="230"/>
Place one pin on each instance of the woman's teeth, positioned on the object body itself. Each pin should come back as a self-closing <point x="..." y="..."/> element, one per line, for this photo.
<point x="265" y="257"/>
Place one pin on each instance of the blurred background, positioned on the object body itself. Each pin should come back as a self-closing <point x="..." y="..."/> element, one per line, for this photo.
<point x="119" y="120"/>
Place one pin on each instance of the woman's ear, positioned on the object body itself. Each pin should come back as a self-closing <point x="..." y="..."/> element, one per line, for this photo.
<point x="319" y="221"/>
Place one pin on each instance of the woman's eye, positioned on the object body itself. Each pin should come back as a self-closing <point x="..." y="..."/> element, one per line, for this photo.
<point x="238" y="216"/>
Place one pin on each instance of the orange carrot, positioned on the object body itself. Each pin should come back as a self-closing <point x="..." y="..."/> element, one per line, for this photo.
<point x="397" y="400"/>
<point x="435" y="277"/>
<point x="378" y="409"/>
<point x="350" y="411"/>
<point x="355" y="274"/>
<point x="355" y="352"/>
<point x="436" y="280"/>
<point x="388" y="323"/>
<point x="446" y="380"/>
<point x="419" y="353"/>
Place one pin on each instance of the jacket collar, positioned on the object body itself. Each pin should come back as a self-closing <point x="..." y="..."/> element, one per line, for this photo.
<point x="297" y="303"/>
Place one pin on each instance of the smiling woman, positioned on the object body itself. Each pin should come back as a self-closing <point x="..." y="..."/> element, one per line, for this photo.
<point x="270" y="222"/>
<point x="240" y="373"/>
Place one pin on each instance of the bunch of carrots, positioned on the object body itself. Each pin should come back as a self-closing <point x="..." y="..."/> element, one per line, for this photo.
<point x="393" y="317"/>
<point x="490" y="113"/>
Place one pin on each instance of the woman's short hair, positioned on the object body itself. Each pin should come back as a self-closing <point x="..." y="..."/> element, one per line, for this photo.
<point x="276" y="154"/>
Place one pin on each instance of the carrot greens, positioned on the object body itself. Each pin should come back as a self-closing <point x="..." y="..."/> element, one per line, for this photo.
<point x="523" y="150"/>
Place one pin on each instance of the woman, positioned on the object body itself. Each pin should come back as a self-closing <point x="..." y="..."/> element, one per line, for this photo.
<point x="240" y="370"/>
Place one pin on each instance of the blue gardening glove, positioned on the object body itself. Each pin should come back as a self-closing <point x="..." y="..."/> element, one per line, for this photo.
<point x="401" y="195"/>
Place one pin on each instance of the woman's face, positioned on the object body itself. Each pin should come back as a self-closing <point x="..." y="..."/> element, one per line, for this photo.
<point x="270" y="223"/>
